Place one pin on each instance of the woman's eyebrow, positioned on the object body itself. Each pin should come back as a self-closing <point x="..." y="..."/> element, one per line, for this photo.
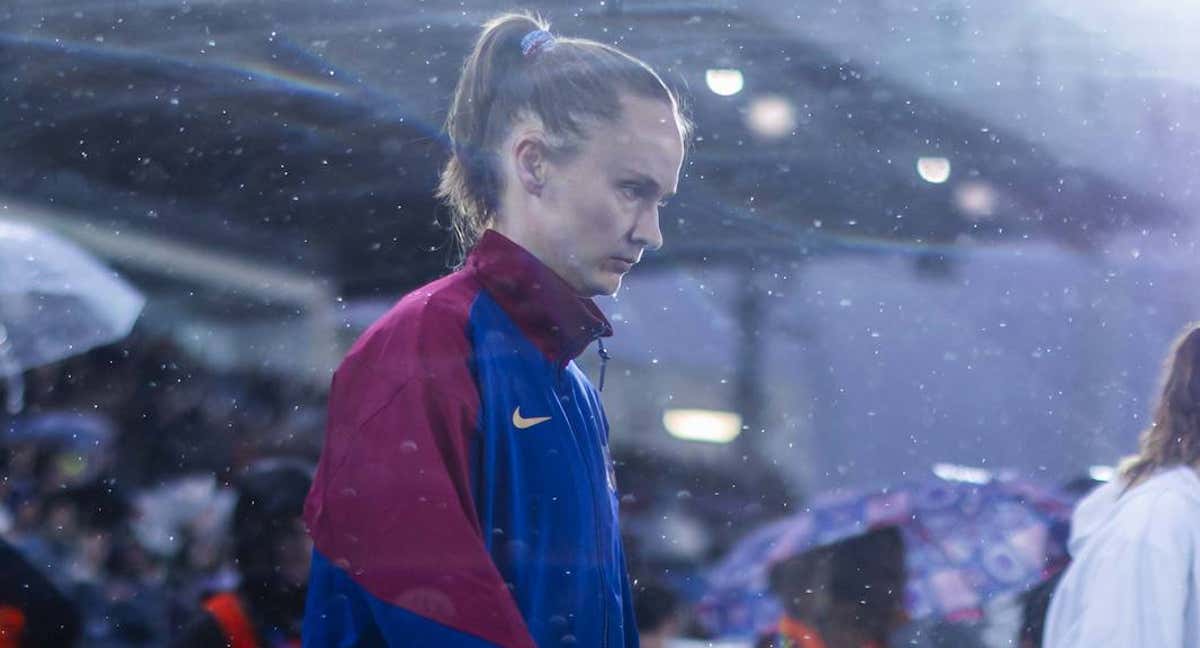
<point x="650" y="183"/>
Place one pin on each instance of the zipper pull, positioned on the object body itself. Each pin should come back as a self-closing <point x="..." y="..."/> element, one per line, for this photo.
<point x="604" y="357"/>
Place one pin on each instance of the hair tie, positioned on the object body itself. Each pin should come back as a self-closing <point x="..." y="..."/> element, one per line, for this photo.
<point x="536" y="41"/>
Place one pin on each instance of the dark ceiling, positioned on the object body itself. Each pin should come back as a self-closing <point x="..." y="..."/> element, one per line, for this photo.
<point x="304" y="135"/>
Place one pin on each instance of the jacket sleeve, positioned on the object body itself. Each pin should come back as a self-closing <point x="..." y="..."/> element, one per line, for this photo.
<point x="398" y="552"/>
<point x="1135" y="589"/>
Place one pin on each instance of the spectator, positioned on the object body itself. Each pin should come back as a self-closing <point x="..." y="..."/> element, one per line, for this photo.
<point x="844" y="595"/>
<point x="1134" y="541"/>
<point x="272" y="551"/>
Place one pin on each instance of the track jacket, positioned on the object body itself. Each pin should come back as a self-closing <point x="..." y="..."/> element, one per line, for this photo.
<point x="465" y="495"/>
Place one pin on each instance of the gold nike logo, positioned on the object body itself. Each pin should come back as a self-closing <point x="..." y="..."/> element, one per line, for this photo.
<point x="521" y="422"/>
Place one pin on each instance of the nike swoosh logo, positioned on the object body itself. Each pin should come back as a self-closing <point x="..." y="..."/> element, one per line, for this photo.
<point x="521" y="422"/>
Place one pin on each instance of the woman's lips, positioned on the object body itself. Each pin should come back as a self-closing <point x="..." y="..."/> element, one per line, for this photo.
<point x="622" y="265"/>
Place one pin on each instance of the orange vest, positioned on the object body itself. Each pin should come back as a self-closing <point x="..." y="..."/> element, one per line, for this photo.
<point x="797" y="634"/>
<point x="226" y="608"/>
<point x="12" y="624"/>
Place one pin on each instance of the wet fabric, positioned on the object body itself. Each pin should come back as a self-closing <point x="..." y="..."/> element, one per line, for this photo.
<point x="465" y="494"/>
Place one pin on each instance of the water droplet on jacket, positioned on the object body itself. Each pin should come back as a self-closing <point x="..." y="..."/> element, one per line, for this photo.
<point x="408" y="447"/>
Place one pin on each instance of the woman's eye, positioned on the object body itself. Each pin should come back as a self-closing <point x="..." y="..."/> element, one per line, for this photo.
<point x="631" y="192"/>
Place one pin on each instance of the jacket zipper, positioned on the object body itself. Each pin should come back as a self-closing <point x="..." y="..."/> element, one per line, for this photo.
<point x="601" y="562"/>
<point x="604" y="358"/>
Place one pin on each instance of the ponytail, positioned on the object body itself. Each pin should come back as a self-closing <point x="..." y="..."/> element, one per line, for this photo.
<point x="517" y="71"/>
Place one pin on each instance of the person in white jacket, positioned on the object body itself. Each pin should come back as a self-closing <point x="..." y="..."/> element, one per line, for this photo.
<point x="1135" y="542"/>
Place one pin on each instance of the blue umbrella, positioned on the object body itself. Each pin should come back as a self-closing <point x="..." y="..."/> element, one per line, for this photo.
<point x="964" y="544"/>
<point x="82" y="430"/>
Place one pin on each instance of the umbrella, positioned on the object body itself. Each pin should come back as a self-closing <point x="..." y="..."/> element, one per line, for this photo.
<point x="80" y="430"/>
<point x="55" y="301"/>
<point x="964" y="543"/>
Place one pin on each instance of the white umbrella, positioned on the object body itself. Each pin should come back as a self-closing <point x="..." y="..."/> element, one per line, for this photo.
<point x="56" y="301"/>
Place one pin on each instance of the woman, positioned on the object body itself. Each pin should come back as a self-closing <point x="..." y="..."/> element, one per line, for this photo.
<point x="465" y="494"/>
<point x="1135" y="579"/>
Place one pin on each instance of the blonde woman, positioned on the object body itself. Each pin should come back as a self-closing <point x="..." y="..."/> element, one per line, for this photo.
<point x="1135" y="542"/>
<point x="465" y="494"/>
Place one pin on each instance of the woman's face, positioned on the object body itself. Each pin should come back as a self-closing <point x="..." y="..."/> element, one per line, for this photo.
<point x="598" y="209"/>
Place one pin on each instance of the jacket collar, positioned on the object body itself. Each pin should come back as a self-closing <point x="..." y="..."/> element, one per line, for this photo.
<point x="559" y="322"/>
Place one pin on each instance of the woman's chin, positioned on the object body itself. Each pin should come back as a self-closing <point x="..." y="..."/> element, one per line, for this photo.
<point x="609" y="283"/>
<point x="601" y="282"/>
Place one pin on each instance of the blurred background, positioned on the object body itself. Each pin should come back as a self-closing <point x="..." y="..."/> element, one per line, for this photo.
<point x="922" y="243"/>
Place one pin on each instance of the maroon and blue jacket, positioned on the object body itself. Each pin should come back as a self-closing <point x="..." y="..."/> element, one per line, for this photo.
<point x="465" y="494"/>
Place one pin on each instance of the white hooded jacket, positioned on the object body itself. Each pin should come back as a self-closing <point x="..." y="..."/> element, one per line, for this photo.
<point x="1134" y="580"/>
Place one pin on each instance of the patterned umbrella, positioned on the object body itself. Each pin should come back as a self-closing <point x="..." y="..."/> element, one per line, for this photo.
<point x="964" y="543"/>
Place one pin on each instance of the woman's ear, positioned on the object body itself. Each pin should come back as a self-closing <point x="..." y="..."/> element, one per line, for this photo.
<point x="532" y="161"/>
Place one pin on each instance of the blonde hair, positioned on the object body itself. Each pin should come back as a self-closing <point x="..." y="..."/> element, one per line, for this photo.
<point x="565" y="86"/>
<point x="1173" y="437"/>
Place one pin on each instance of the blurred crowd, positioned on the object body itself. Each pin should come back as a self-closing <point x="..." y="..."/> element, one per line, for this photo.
<point x="145" y="497"/>
<point x="121" y="484"/>
<point x="139" y="487"/>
